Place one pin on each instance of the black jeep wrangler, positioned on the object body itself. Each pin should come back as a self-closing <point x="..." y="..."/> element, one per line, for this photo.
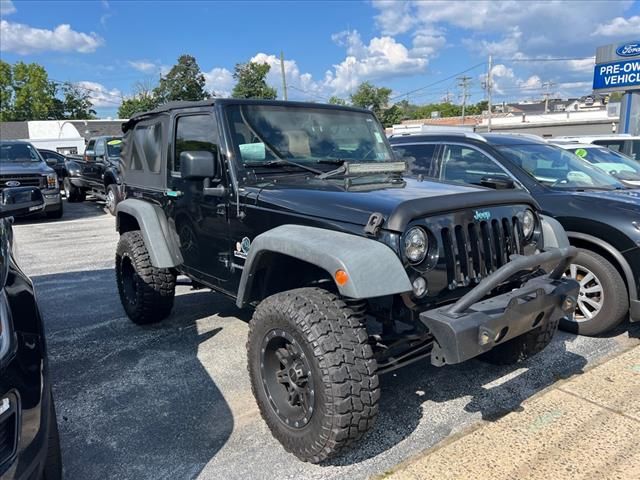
<point x="354" y="269"/>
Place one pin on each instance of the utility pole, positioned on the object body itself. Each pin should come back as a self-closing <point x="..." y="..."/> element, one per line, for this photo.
<point x="464" y="83"/>
<point x="489" y="86"/>
<point x="284" y="80"/>
<point x="547" y="94"/>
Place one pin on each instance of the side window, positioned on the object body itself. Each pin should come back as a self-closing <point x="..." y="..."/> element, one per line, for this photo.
<point x="100" y="148"/>
<point x="615" y="145"/>
<point x="464" y="164"/>
<point x="90" y="147"/>
<point x="194" y="133"/>
<point x="147" y="147"/>
<point x="419" y="158"/>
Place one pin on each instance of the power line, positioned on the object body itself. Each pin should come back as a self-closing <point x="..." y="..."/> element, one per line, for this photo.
<point x="438" y="82"/>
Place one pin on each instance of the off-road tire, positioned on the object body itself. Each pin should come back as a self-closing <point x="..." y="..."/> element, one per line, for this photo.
<point x="73" y="193"/>
<point x="146" y="292"/>
<point x="53" y="460"/>
<point x="111" y="206"/>
<point x="342" y="364"/>
<point x="55" y="214"/>
<point x="522" y="347"/>
<point x="615" y="304"/>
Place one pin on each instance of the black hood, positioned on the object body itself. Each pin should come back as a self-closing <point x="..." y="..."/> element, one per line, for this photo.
<point x="398" y="200"/>
<point x="20" y="168"/>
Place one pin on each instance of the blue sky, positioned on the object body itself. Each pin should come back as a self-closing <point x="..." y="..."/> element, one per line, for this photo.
<point x="109" y="46"/>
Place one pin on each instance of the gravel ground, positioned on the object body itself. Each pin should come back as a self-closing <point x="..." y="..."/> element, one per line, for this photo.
<point x="173" y="400"/>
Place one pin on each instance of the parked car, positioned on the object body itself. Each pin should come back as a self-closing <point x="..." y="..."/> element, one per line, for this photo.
<point x="22" y="165"/>
<point x="601" y="216"/>
<point x="97" y="173"/>
<point x="300" y="211"/>
<point x="626" y="170"/>
<point x="622" y="143"/>
<point x="56" y="161"/>
<point x="29" y="443"/>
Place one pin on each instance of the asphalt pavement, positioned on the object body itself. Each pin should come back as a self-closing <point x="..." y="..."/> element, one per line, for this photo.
<point x="173" y="401"/>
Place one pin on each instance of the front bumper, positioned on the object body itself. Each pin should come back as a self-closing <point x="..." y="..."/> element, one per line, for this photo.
<point x="474" y="325"/>
<point x="52" y="199"/>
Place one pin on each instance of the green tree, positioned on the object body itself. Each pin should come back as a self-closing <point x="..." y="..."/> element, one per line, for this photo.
<point x="333" y="100"/>
<point x="185" y="81"/>
<point x="391" y="116"/>
<point x="6" y="92"/>
<point x="34" y="94"/>
<point x="251" y="81"/>
<point x="371" y="97"/>
<point x="76" y="103"/>
<point x="143" y="100"/>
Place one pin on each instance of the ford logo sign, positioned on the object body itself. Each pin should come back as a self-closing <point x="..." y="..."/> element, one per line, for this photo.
<point x="629" y="49"/>
<point x="12" y="183"/>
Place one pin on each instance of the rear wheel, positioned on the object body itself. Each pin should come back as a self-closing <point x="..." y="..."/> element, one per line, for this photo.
<point x="312" y="372"/>
<point x="146" y="292"/>
<point x="603" y="300"/>
<point x="73" y="193"/>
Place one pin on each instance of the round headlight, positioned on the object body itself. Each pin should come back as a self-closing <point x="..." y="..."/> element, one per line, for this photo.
<point x="528" y="223"/>
<point x="416" y="244"/>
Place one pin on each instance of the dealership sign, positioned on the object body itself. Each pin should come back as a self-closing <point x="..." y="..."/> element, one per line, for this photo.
<point x="617" y="67"/>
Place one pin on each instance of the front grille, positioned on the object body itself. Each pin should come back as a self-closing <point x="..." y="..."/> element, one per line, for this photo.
<point x="25" y="180"/>
<point x="474" y="250"/>
<point x="8" y="437"/>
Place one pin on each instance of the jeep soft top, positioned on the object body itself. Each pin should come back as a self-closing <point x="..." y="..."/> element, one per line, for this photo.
<point x="354" y="269"/>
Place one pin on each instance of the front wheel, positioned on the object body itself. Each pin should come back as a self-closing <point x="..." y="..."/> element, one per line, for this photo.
<point x="112" y="198"/>
<point x="73" y="193"/>
<point x="146" y="292"/>
<point x="603" y="300"/>
<point x="312" y="372"/>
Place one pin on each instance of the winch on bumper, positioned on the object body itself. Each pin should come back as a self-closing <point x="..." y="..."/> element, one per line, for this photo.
<point x="473" y="326"/>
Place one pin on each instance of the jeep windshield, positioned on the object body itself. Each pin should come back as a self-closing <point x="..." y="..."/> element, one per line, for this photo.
<point x="305" y="137"/>
<point x="113" y="147"/>
<point x="18" y="153"/>
<point x="558" y="168"/>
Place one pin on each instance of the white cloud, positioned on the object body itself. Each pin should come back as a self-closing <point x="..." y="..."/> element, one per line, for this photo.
<point x="619" y="27"/>
<point x="508" y="46"/>
<point x="428" y="42"/>
<point x="7" y="7"/>
<point x="144" y="66"/>
<point x="382" y="58"/>
<point x="23" y="39"/>
<point x="394" y="17"/>
<point x="220" y="81"/>
<point x="100" y="95"/>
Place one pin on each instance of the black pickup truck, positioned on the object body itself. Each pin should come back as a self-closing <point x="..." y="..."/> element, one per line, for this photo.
<point x="97" y="172"/>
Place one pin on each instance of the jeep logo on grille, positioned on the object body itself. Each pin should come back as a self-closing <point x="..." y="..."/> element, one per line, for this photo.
<point x="12" y="183"/>
<point x="481" y="215"/>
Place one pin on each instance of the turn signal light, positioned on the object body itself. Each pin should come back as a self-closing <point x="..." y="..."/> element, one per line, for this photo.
<point x="341" y="277"/>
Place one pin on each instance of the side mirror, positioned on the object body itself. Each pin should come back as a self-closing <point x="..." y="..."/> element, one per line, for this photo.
<point x="197" y="165"/>
<point x="89" y="155"/>
<point x="51" y="162"/>
<point x="498" y="183"/>
<point x="20" y="201"/>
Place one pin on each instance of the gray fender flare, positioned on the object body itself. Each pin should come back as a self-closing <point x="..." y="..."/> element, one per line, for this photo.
<point x="161" y="241"/>
<point x="374" y="269"/>
<point x="553" y="233"/>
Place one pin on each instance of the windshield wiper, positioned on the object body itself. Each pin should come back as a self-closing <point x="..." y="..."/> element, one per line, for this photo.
<point x="331" y="161"/>
<point x="283" y="162"/>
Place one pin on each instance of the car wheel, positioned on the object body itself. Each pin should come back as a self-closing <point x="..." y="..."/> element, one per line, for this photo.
<point x="603" y="300"/>
<point x="53" y="214"/>
<point x="73" y="193"/>
<point x="146" y="292"/>
<point x="312" y="372"/>
<point x="112" y="198"/>
<point x="53" y="461"/>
